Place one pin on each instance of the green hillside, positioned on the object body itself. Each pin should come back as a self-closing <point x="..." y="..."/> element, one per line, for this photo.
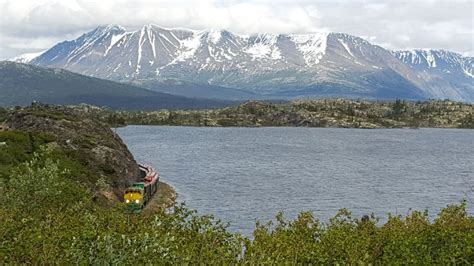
<point x="21" y="84"/>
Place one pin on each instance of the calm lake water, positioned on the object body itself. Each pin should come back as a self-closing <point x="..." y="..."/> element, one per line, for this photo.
<point x="241" y="175"/>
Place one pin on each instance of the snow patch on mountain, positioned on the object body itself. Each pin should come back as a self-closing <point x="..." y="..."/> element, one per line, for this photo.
<point x="430" y="59"/>
<point x="263" y="46"/>
<point x="418" y="57"/>
<point x="113" y="41"/>
<point x="215" y="36"/>
<point x="26" y="57"/>
<point x="469" y="72"/>
<point x="188" y="47"/>
<point x="346" y="47"/>
<point x="312" y="46"/>
<point x="260" y="50"/>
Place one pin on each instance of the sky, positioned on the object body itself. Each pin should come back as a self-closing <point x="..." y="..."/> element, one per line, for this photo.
<point x="36" y="25"/>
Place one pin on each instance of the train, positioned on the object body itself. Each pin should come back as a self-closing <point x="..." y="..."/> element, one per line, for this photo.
<point x="140" y="193"/>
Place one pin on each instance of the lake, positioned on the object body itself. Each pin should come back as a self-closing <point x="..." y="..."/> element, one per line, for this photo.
<point x="241" y="175"/>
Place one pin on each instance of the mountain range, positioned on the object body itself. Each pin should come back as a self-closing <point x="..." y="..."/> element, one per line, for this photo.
<point x="224" y="65"/>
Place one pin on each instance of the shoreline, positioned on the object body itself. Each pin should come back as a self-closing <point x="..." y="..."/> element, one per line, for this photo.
<point x="334" y="113"/>
<point x="289" y="126"/>
<point x="165" y="197"/>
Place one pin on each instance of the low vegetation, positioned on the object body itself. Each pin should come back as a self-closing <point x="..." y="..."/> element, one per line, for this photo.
<point x="47" y="217"/>
<point x="314" y="113"/>
<point x="55" y="210"/>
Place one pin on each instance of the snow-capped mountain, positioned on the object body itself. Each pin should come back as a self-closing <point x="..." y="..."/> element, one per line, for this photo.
<point x="269" y="65"/>
<point x="441" y="60"/>
<point x="443" y="73"/>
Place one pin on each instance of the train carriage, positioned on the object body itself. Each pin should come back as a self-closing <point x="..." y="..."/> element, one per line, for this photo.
<point x="140" y="193"/>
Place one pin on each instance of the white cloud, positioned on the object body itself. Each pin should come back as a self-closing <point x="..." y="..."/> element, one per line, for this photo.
<point x="29" y="25"/>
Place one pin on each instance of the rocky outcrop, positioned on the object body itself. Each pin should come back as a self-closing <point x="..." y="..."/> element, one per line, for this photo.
<point x="84" y="138"/>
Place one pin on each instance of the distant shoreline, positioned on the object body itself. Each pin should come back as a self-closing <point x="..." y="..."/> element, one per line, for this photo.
<point x="261" y="127"/>
<point x="326" y="113"/>
<point x="322" y="113"/>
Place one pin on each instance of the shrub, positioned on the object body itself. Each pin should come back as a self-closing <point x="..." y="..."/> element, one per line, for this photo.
<point x="413" y="239"/>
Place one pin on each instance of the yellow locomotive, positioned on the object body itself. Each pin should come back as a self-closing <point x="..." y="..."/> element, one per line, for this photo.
<point x="140" y="193"/>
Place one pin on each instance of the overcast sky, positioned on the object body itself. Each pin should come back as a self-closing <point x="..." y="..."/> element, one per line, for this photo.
<point x="35" y="25"/>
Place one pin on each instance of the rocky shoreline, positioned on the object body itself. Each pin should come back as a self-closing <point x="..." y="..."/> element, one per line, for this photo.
<point x="164" y="198"/>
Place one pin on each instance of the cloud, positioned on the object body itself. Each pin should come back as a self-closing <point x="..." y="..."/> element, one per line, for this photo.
<point x="31" y="25"/>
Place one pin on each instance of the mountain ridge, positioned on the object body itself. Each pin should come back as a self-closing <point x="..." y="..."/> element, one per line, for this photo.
<point x="319" y="64"/>
<point x="21" y="84"/>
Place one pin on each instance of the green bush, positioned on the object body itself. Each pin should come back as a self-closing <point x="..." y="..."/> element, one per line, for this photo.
<point x="344" y="240"/>
<point x="19" y="147"/>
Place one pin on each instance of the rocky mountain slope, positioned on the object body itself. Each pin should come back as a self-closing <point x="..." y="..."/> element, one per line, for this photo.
<point x="91" y="146"/>
<point x="20" y="84"/>
<point x="268" y="65"/>
<point x="445" y="74"/>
